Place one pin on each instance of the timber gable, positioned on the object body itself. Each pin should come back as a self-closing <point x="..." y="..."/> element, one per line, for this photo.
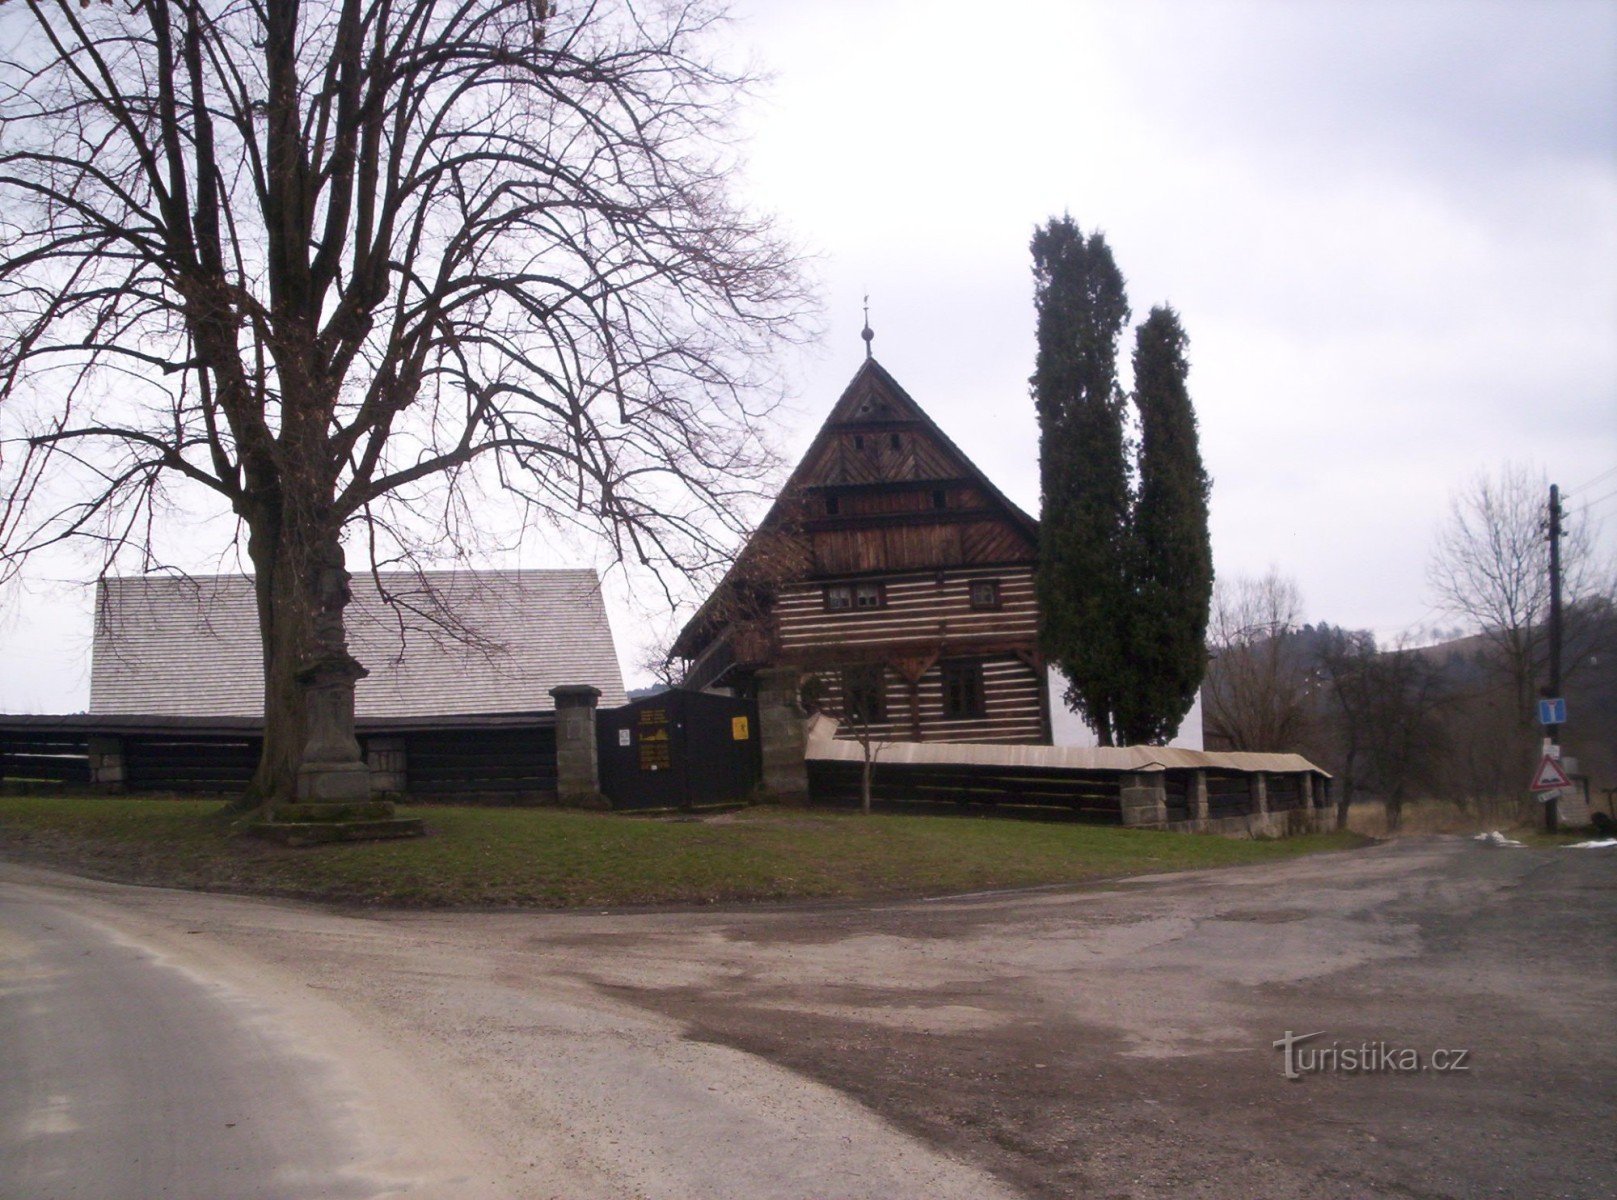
<point x="889" y="555"/>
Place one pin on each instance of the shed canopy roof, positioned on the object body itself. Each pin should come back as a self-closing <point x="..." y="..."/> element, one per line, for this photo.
<point x="823" y="745"/>
<point x="449" y="642"/>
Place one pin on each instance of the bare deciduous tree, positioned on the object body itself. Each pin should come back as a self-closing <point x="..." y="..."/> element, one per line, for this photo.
<point x="1385" y="709"/>
<point x="1256" y="693"/>
<point x="374" y="262"/>
<point x="1491" y="567"/>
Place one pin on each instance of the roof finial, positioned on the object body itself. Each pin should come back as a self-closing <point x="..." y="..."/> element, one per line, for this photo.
<point x="866" y="331"/>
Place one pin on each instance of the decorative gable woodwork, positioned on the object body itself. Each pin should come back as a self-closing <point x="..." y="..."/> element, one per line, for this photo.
<point x="883" y="500"/>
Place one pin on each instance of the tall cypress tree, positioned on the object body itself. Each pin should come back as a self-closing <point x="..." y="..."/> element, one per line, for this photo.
<point x="1170" y="553"/>
<point x="1083" y="565"/>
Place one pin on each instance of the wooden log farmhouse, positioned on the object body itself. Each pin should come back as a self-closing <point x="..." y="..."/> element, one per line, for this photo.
<point x="894" y="573"/>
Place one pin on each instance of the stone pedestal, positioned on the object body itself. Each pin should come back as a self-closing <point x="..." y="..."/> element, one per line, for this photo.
<point x="332" y="769"/>
<point x="578" y="768"/>
<point x="1144" y="799"/>
<point x="782" y="735"/>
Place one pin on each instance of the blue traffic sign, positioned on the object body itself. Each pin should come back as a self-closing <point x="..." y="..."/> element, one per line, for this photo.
<point x="1552" y="712"/>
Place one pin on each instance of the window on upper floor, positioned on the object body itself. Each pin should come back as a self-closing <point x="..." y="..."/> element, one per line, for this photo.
<point x="985" y="594"/>
<point x="840" y="597"/>
<point x="963" y="695"/>
<point x="833" y="505"/>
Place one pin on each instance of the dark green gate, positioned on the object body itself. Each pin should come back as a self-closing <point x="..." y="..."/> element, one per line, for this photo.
<point x="679" y="749"/>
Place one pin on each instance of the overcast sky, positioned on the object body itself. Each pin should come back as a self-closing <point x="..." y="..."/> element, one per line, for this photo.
<point x="1390" y="230"/>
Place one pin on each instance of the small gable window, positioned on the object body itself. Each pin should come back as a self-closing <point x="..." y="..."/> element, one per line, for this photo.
<point x="894" y="441"/>
<point x="858" y="441"/>
<point x="985" y="593"/>
<point x="839" y="597"/>
<point x="940" y="499"/>
<point x="833" y="505"/>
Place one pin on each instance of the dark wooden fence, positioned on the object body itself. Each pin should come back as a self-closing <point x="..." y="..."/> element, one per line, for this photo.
<point x="1285" y="793"/>
<point x="503" y="763"/>
<point x="45" y="755"/>
<point x="190" y="762"/>
<point x="498" y="757"/>
<point x="1080" y="795"/>
<point x="1229" y="794"/>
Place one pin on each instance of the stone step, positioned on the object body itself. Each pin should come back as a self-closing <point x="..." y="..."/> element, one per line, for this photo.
<point x="304" y="812"/>
<point x="310" y="833"/>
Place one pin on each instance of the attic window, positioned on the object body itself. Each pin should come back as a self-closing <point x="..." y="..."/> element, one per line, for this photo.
<point x="940" y="499"/>
<point x="858" y="441"/>
<point x="894" y="440"/>
<point x="833" y="505"/>
<point x="985" y="593"/>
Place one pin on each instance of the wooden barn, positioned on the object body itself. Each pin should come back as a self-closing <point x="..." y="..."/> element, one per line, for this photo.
<point x="894" y="574"/>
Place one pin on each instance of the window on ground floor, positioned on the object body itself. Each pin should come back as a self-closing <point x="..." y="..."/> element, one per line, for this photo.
<point x="963" y="689"/>
<point x="864" y="694"/>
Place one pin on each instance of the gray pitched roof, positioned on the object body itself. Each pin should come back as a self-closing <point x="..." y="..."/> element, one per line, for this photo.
<point x="453" y="642"/>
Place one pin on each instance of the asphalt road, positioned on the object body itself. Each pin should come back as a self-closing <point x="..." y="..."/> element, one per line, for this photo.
<point x="1111" y="1042"/>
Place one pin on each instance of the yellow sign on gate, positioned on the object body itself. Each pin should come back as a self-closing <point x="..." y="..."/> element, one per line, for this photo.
<point x="738" y="729"/>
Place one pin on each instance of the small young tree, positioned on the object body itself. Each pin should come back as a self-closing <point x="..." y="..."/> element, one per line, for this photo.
<point x="1170" y="559"/>
<point x="1082" y="582"/>
<point x="856" y="705"/>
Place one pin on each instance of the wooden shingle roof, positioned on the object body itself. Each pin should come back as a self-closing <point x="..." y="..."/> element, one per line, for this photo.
<point x="454" y="642"/>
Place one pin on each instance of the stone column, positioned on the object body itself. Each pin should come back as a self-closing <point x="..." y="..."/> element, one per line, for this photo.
<point x="106" y="762"/>
<point x="782" y="735"/>
<point x="578" y="770"/>
<point x="1305" y="790"/>
<point x="1198" y="795"/>
<point x="1144" y="799"/>
<point x="1259" y="820"/>
<point x="389" y="761"/>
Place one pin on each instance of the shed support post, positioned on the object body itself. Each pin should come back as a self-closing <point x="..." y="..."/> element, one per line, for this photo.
<point x="1198" y="795"/>
<point x="578" y="770"/>
<point x="1260" y="802"/>
<point x="782" y="735"/>
<point x="106" y="762"/>
<point x="1144" y="799"/>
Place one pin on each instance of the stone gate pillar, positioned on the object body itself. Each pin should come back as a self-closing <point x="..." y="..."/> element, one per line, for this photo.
<point x="782" y="735"/>
<point x="578" y="767"/>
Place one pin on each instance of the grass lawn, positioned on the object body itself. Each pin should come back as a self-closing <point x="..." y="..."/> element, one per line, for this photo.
<point x="528" y="857"/>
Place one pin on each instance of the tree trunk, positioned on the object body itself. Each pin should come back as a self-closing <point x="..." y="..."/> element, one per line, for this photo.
<point x="1344" y="800"/>
<point x="301" y="591"/>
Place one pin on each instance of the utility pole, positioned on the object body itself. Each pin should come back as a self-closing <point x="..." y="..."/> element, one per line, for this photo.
<point x="1550" y="813"/>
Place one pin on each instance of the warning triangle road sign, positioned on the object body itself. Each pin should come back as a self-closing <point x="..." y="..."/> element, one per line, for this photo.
<point x="1549" y="776"/>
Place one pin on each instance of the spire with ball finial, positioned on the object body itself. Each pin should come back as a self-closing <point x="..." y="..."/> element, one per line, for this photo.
<point x="866" y="332"/>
